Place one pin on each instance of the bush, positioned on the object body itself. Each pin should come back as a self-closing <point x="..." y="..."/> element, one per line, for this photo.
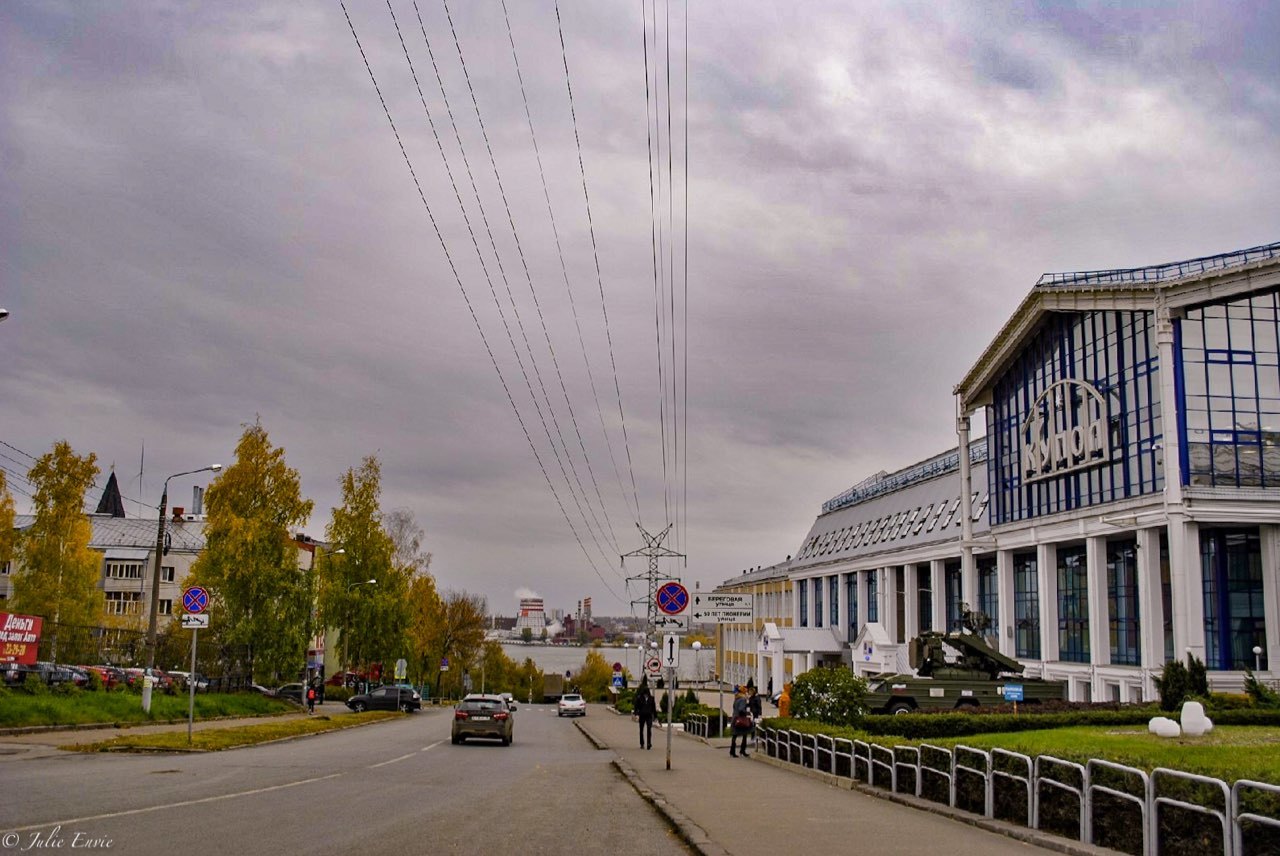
<point x="1262" y="695"/>
<point x="834" y="696"/>
<point x="1174" y="685"/>
<point x="338" y="693"/>
<point x="1197" y="677"/>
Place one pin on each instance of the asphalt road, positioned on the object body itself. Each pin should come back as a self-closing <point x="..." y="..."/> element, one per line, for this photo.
<point x="394" y="787"/>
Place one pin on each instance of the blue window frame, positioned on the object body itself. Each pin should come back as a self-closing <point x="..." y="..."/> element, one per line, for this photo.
<point x="924" y="602"/>
<point x="851" y="586"/>
<point x="873" y="599"/>
<point x="1228" y="384"/>
<point x="802" y="588"/>
<point x="833" y="600"/>
<point x="1166" y="596"/>
<point x="955" y="596"/>
<point x="989" y="593"/>
<point x="1116" y="353"/>
<point x="1122" y="602"/>
<point x="1231" y="564"/>
<point x="817" y="601"/>
<point x="1026" y="605"/>
<point x="1073" y="605"/>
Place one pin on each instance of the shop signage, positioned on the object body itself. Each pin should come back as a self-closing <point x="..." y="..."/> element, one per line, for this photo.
<point x="19" y="638"/>
<point x="1066" y="431"/>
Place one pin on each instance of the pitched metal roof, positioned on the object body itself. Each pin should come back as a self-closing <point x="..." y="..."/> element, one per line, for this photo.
<point x="186" y="536"/>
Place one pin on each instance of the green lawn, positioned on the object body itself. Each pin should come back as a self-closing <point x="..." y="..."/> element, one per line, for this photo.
<point x="215" y="739"/>
<point x="19" y="709"/>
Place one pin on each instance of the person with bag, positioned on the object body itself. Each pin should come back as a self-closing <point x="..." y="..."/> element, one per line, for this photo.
<point x="311" y="699"/>
<point x="646" y="711"/>
<point x="742" y="723"/>
<point x="757" y="711"/>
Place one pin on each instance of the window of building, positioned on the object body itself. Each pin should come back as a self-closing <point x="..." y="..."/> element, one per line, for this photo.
<point x="873" y="596"/>
<point x="119" y="569"/>
<point x="1116" y="353"/>
<point x="989" y="593"/>
<point x="833" y="600"/>
<point x="802" y="587"/>
<point x="1229" y="389"/>
<point x="1073" y="605"/>
<point x="851" y="586"/>
<point x="122" y="602"/>
<point x="951" y="513"/>
<point x="817" y="601"/>
<point x="924" y="597"/>
<point x="955" y="596"/>
<point x="166" y="573"/>
<point x="1231" y="564"/>
<point x="1122" y="602"/>
<point x="165" y="607"/>
<point x="920" y="521"/>
<point x="1026" y="605"/>
<point x="4" y="569"/>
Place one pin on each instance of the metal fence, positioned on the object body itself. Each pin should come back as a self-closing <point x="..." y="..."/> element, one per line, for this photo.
<point x="1100" y="802"/>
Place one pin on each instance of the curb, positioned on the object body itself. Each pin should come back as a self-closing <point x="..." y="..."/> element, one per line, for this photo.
<point x="1000" y="827"/>
<point x="692" y="834"/>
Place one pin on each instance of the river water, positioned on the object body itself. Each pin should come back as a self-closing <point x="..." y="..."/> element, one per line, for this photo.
<point x="557" y="659"/>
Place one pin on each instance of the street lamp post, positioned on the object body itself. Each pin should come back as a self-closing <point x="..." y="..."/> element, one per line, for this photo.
<point x="1257" y="658"/>
<point x="346" y="669"/>
<point x="311" y="608"/>
<point x="155" y="582"/>
<point x="697" y="661"/>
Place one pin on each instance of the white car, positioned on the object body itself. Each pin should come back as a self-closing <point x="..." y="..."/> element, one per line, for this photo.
<point x="571" y="704"/>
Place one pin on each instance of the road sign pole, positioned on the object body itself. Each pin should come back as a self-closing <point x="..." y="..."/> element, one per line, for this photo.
<point x="671" y="706"/>
<point x="191" y="687"/>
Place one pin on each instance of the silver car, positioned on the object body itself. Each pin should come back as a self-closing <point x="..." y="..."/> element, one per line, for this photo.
<point x="483" y="716"/>
<point x="571" y="704"/>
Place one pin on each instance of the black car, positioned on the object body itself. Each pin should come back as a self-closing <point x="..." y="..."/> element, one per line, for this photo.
<point x="386" y="698"/>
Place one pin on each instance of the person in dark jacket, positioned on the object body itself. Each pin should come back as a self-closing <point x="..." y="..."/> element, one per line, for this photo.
<point x="646" y="711"/>
<point x="757" y="711"/>
<point x="742" y="723"/>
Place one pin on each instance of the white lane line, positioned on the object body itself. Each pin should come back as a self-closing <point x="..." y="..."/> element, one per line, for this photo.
<point x="167" y="806"/>
<point x="432" y="746"/>
<point x="392" y="761"/>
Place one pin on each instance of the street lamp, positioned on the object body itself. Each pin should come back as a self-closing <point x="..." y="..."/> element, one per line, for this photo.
<point x="1257" y="658"/>
<point x="155" y="576"/>
<point x="311" y="608"/>
<point x="4" y="313"/>
<point x="697" y="660"/>
<point x="346" y="669"/>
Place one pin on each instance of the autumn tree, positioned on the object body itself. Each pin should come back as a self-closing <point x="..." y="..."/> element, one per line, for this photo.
<point x="425" y="609"/>
<point x="457" y="632"/>
<point x="407" y="538"/>
<point x="373" y="618"/>
<point x="8" y="535"/>
<point x="250" y="564"/>
<point x="59" y="573"/>
<point x="594" y="678"/>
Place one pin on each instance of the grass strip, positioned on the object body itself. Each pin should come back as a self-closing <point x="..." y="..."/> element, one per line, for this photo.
<point x="19" y="709"/>
<point x="217" y="739"/>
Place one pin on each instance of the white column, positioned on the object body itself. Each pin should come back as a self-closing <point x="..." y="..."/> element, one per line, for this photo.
<point x="1150" y="608"/>
<point x="1095" y="552"/>
<point x="863" y="612"/>
<point x="889" y="603"/>
<point x="1047" y="565"/>
<point x="1270" y="544"/>
<point x="1004" y="604"/>
<point x="911" y="614"/>
<point x="1188" y="587"/>
<point x="842" y="595"/>
<point x="938" y="586"/>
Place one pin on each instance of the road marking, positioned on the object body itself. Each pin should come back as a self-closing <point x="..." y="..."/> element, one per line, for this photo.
<point x="167" y="806"/>
<point x="392" y="761"/>
<point x="432" y="746"/>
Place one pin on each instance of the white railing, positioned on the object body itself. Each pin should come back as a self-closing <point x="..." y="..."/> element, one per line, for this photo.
<point x="1045" y="779"/>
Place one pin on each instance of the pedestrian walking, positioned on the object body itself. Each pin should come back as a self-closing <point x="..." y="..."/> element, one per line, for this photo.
<point x="754" y="705"/>
<point x="311" y="699"/>
<point x="742" y="722"/>
<point x="646" y="711"/>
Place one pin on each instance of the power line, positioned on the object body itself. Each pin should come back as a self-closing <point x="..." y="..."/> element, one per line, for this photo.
<point x="466" y="298"/>
<point x="595" y="253"/>
<point x="501" y="270"/>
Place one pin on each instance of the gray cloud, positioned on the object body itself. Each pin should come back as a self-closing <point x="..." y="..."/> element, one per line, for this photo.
<point x="212" y="221"/>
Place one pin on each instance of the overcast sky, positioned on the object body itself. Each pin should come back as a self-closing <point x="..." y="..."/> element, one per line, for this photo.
<point x="206" y="219"/>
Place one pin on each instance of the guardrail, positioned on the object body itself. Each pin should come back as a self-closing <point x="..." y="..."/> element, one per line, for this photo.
<point x="1050" y="794"/>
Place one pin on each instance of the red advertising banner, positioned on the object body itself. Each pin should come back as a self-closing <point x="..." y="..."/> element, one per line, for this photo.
<point x="19" y="638"/>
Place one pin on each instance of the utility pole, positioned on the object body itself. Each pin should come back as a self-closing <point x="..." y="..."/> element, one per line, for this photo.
<point x="653" y="551"/>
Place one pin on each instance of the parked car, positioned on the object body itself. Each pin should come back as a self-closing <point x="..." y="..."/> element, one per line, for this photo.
<point x="571" y="704"/>
<point x="293" y="692"/>
<point x="79" y="676"/>
<point x="15" y="674"/>
<point x="483" y="716"/>
<point x="386" y="698"/>
<point x="110" y="675"/>
<point x="183" y="681"/>
<point x="164" y="682"/>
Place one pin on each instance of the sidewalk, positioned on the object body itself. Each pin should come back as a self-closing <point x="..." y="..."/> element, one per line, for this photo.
<point x="724" y="805"/>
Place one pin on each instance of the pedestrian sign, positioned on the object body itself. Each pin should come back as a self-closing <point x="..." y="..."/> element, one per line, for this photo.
<point x="195" y="600"/>
<point x="672" y="598"/>
<point x="617" y="680"/>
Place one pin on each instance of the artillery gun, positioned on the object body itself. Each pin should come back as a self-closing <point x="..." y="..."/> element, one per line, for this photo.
<point x="978" y="674"/>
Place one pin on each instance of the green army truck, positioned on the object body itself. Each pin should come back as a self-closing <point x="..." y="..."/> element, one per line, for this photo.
<point x="977" y="675"/>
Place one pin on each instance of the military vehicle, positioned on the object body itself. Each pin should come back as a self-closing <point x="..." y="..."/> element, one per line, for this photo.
<point x="978" y="675"/>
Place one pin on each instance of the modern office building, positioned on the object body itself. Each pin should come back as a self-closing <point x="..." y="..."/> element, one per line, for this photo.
<point x="1123" y="509"/>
